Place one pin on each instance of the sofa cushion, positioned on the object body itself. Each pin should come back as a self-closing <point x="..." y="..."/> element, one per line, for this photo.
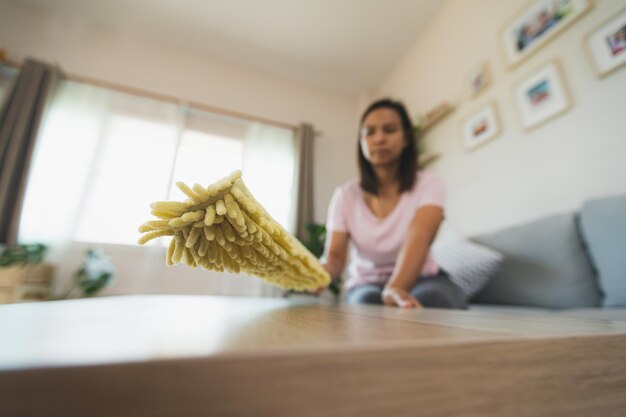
<point x="603" y="229"/>
<point x="589" y="313"/>
<point x="545" y="265"/>
<point x="612" y="314"/>
<point x="470" y="265"/>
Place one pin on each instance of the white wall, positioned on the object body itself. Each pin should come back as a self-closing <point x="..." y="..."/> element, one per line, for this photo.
<point x="520" y="175"/>
<point x="85" y="49"/>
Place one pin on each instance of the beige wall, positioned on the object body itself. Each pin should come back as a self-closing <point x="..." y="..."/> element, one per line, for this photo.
<point x="520" y="175"/>
<point x="82" y="48"/>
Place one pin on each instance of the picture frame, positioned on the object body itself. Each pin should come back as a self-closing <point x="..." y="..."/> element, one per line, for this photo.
<point x="542" y="96"/>
<point x="481" y="127"/>
<point x="536" y="24"/>
<point x="606" y="44"/>
<point x="478" y="79"/>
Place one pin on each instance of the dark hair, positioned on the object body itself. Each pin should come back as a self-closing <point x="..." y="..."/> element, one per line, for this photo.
<point x="408" y="158"/>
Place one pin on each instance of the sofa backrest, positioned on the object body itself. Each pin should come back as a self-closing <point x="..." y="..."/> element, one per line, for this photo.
<point x="545" y="265"/>
<point x="603" y="229"/>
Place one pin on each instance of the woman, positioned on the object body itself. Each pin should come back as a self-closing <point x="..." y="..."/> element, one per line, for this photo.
<point x="391" y="215"/>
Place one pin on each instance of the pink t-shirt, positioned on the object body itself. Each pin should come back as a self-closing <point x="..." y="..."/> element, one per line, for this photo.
<point x="377" y="242"/>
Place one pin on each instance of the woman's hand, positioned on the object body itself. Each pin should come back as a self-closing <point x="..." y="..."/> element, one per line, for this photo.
<point x="394" y="296"/>
<point x="412" y="256"/>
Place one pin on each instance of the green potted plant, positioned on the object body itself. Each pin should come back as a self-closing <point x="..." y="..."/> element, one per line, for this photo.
<point x="22" y="254"/>
<point x="95" y="274"/>
<point x="314" y="242"/>
<point x="23" y="275"/>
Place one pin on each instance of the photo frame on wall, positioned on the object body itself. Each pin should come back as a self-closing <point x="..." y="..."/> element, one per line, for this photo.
<point x="481" y="127"/>
<point x="542" y="96"/>
<point x="539" y="22"/>
<point x="606" y="44"/>
<point x="478" y="79"/>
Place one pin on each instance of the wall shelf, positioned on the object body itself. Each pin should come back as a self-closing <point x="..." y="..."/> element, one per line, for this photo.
<point x="435" y="116"/>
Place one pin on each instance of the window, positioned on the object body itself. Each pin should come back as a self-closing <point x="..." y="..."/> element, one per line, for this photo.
<point x="132" y="166"/>
<point x="102" y="157"/>
<point x="203" y="158"/>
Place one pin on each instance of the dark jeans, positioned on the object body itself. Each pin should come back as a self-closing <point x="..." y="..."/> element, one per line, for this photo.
<point x="431" y="291"/>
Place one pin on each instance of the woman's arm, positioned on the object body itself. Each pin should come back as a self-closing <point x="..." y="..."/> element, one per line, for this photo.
<point x="412" y="256"/>
<point x="337" y="254"/>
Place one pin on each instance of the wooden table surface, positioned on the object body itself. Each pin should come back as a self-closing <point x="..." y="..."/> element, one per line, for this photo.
<point x="199" y="355"/>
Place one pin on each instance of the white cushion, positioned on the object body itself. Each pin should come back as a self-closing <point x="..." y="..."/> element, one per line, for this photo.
<point x="469" y="264"/>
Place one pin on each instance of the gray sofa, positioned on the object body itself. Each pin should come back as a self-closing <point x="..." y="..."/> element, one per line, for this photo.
<point x="572" y="264"/>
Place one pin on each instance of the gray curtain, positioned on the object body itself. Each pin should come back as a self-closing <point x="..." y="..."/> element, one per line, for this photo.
<point x="20" y="116"/>
<point x="305" y="135"/>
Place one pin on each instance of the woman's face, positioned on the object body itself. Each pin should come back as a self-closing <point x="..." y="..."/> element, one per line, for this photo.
<point x="382" y="137"/>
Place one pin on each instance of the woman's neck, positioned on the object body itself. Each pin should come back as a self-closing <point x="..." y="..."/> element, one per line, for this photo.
<point x="387" y="178"/>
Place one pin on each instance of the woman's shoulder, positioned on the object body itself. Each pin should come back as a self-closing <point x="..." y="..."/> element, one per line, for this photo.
<point x="349" y="188"/>
<point x="429" y="188"/>
<point x="427" y="176"/>
<point x="344" y="197"/>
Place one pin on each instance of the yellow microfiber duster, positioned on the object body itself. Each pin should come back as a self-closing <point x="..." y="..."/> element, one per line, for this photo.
<point x="223" y="227"/>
